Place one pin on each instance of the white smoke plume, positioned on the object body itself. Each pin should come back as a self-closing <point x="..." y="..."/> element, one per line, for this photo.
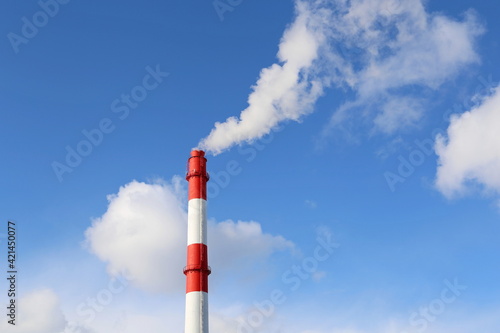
<point x="384" y="53"/>
<point x="284" y="91"/>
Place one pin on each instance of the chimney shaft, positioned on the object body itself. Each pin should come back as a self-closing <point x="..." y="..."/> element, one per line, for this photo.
<point x="197" y="269"/>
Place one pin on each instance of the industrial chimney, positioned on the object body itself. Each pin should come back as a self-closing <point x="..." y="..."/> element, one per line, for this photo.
<point x="197" y="269"/>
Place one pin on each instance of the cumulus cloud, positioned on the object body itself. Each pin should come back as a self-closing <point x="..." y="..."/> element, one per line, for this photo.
<point x="222" y="323"/>
<point x="246" y="241"/>
<point x="386" y="52"/>
<point x="470" y="154"/>
<point x="38" y="312"/>
<point x="143" y="235"/>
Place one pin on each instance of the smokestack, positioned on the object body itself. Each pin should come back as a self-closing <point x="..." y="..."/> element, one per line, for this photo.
<point x="197" y="269"/>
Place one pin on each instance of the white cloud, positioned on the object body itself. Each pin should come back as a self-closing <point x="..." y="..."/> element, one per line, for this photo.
<point x="398" y="112"/>
<point x="37" y="312"/>
<point x="222" y="323"/>
<point x="470" y="155"/>
<point x="234" y="243"/>
<point x="391" y="51"/>
<point x="144" y="323"/>
<point x="143" y="235"/>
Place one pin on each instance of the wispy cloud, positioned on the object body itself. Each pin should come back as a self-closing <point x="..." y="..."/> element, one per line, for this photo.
<point x="311" y="204"/>
<point x="390" y="52"/>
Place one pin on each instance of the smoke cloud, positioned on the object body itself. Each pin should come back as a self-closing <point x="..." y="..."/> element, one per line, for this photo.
<point x="383" y="53"/>
<point x="285" y="91"/>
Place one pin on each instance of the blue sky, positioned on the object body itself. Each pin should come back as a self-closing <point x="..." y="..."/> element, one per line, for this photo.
<point x="358" y="192"/>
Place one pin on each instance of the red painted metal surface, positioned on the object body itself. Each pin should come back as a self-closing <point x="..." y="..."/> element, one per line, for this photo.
<point x="197" y="269"/>
<point x="197" y="175"/>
